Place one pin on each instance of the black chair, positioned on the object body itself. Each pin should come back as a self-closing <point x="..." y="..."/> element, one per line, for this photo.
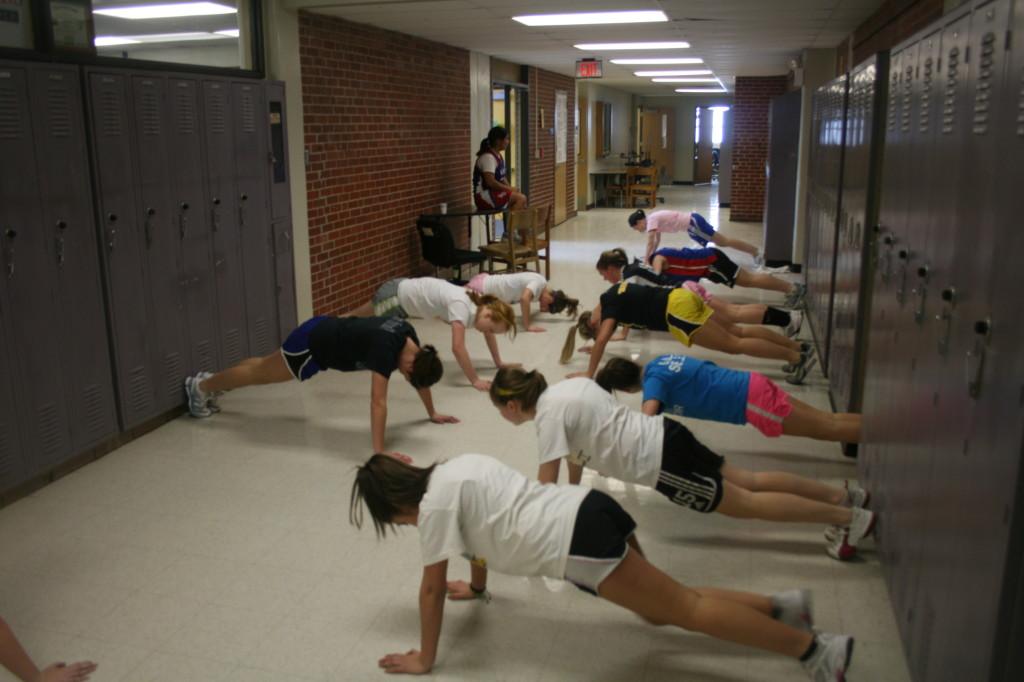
<point x="439" y="247"/>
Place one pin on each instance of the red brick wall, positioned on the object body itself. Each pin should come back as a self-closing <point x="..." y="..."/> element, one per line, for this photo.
<point x="750" y="143"/>
<point x="894" y="21"/>
<point x="387" y="127"/>
<point x="542" y="171"/>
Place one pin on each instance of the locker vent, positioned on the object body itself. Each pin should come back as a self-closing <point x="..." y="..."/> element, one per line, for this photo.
<point x="186" y="113"/>
<point x="10" y="115"/>
<point x="949" y="101"/>
<point x="893" y="101"/>
<point x="248" y="114"/>
<point x="982" y="93"/>
<point x="926" y="96"/>
<point x="49" y="429"/>
<point x="218" y="113"/>
<point x="204" y="356"/>
<point x="261" y="337"/>
<point x="908" y="79"/>
<point x="110" y="113"/>
<point x="174" y="375"/>
<point x="58" y="109"/>
<point x="139" y="395"/>
<point x="150" y="112"/>
<point x="1020" y="108"/>
<point x="232" y="347"/>
<point x="94" y="410"/>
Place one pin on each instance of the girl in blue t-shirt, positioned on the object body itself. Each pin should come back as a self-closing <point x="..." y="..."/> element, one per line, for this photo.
<point x="701" y="389"/>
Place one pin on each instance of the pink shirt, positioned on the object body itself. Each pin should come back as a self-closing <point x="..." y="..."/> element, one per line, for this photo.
<point x="668" y="221"/>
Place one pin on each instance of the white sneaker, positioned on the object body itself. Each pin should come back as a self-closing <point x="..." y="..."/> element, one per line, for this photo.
<point x="196" y="398"/>
<point x="759" y="260"/>
<point x="831" y="659"/>
<point x="796" y="321"/>
<point x="793" y="607"/>
<point x="843" y="545"/>
<point x="807" y="363"/>
<point x="211" y="398"/>
<point x="856" y="496"/>
<point x="795" y="298"/>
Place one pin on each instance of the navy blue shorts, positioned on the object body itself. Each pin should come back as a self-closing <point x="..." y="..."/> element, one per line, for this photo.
<point x="700" y="230"/>
<point x="296" y="353"/>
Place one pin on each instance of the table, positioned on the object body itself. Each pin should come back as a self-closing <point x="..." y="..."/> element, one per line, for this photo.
<point x="469" y="214"/>
<point x="605" y="173"/>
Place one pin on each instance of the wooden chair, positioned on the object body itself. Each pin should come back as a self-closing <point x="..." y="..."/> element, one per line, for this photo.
<point x="546" y="215"/>
<point x="643" y="184"/>
<point x="520" y="246"/>
<point x="617" y="189"/>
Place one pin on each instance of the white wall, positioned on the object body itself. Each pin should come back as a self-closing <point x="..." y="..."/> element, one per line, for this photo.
<point x="623" y="114"/>
<point x="819" y="68"/>
<point x="226" y="55"/>
<point x="684" y="106"/>
<point x="282" y="41"/>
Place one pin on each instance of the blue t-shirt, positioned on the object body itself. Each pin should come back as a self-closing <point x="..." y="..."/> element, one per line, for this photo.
<point x="697" y="388"/>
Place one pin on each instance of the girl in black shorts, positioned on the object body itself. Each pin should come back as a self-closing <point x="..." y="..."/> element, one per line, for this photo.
<point x="475" y="507"/>
<point x="347" y="344"/>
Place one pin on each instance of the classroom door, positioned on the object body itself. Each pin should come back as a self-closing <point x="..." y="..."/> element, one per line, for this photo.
<point x="582" y="172"/>
<point x="561" y="155"/>
<point x="657" y="129"/>
<point x="703" y="159"/>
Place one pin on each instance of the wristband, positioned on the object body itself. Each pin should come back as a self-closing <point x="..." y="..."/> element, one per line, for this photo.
<point x="481" y="594"/>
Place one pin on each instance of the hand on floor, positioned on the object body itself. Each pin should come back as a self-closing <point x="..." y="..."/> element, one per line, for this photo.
<point x="62" y="672"/>
<point x="444" y="419"/>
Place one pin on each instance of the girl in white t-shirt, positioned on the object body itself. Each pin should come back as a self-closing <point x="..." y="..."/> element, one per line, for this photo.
<point x="476" y="507"/>
<point x="432" y="297"/>
<point x="523" y="288"/>
<point x="580" y="422"/>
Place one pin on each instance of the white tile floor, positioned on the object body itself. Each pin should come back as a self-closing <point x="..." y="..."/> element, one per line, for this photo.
<point x="220" y="550"/>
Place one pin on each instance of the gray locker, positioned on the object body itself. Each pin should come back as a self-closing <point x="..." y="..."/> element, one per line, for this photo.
<point x="219" y="145"/>
<point x="12" y="469"/>
<point x="67" y="218"/>
<point x="252" y="191"/>
<point x="185" y="160"/>
<point x="123" y="245"/>
<point x="280" y="210"/>
<point x="35" y="344"/>
<point x="164" y="218"/>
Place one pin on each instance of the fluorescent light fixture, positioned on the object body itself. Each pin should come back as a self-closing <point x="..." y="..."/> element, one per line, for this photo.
<point x="110" y="41"/>
<point x="705" y="90"/>
<point x="178" y="9"/>
<point x="712" y="79"/>
<point x="658" y="60"/>
<point x="588" y="18"/>
<point x="230" y="32"/>
<point x="598" y="47"/>
<point x="690" y="72"/>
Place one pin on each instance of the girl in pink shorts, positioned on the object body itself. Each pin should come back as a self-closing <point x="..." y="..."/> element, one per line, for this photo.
<point x="689" y="387"/>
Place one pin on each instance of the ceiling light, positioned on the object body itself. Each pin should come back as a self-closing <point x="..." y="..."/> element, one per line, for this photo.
<point x="110" y="41"/>
<point x="160" y="38"/>
<point x="690" y="72"/>
<point x="180" y="9"/>
<point x="659" y="60"/>
<point x="230" y="32"/>
<point x="597" y="47"/>
<point x="705" y="90"/>
<point x="712" y="79"/>
<point x="585" y="18"/>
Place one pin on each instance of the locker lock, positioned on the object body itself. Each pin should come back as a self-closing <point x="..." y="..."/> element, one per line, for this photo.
<point x="948" y="294"/>
<point x="184" y="206"/>
<point x="62" y="225"/>
<point x="151" y="212"/>
<point x="903" y="254"/>
<point x="245" y="197"/>
<point x="10" y="233"/>
<point x="889" y="239"/>
<point x="982" y="327"/>
<point x="112" y="217"/>
<point x="216" y="201"/>
<point x="922" y="272"/>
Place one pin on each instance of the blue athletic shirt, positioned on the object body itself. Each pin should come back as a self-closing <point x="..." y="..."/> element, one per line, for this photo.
<point x="697" y="388"/>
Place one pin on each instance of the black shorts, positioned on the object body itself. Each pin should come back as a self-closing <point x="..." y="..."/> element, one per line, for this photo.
<point x="691" y="474"/>
<point x="723" y="270"/>
<point x="599" y="541"/>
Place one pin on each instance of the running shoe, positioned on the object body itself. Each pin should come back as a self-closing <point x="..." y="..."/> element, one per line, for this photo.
<point x="196" y="398"/>
<point x="796" y="321"/>
<point x="843" y="545"/>
<point x="831" y="659"/>
<point x="212" y="397"/>
<point x="793" y="607"/>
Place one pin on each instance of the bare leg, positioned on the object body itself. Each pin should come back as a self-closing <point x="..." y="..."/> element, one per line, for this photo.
<point x="759" y="332"/>
<point x="517" y="201"/>
<point x="744" y="313"/>
<point x="658" y="264"/>
<point x="712" y="335"/>
<point x="811" y="422"/>
<point x="738" y="244"/>
<point x="741" y="503"/>
<point x="365" y="310"/>
<point x="640" y="587"/>
<point x="270" y="369"/>
<point x="782" y="482"/>
<point x="761" y="280"/>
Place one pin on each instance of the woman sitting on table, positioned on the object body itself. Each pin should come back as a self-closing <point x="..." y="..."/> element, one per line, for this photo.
<point x="491" y="190"/>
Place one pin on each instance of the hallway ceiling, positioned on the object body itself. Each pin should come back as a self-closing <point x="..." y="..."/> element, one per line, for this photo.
<point x="734" y="37"/>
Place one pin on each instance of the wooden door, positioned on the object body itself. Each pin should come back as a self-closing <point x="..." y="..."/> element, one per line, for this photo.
<point x="702" y="159"/>
<point x="561" y="156"/>
<point x="582" y="172"/>
<point x="657" y="140"/>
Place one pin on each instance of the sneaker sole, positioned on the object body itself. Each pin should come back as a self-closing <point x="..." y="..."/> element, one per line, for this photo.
<point x="846" y="663"/>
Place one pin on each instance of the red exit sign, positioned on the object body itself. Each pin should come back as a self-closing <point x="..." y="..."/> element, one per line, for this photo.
<point x="588" y="68"/>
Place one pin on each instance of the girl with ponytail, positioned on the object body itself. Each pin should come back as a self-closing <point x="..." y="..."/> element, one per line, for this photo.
<point x="523" y="288"/>
<point x="491" y="191"/>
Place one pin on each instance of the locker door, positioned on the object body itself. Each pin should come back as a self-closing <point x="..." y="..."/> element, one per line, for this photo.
<point x="74" y="256"/>
<point x="284" y="261"/>
<point x="221" y="202"/>
<point x="28" y="286"/>
<point x="164" y="219"/>
<point x="123" y="246"/>
<point x="12" y="468"/>
<point x="280" y="187"/>
<point x="186" y="163"/>
<point x="252" y="169"/>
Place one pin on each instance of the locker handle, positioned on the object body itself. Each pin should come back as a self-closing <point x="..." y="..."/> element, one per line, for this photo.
<point x="62" y="225"/>
<point x="10" y="233"/>
<point x="922" y="272"/>
<point x="889" y="239"/>
<point x="903" y="254"/>
<point x="214" y="215"/>
<point x="975" y="360"/>
<point x="948" y="295"/>
<point x="147" y="225"/>
<point x="921" y="291"/>
<point x="241" y="209"/>
<point x="112" y="233"/>
<point x="183" y="220"/>
<point x="59" y="242"/>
